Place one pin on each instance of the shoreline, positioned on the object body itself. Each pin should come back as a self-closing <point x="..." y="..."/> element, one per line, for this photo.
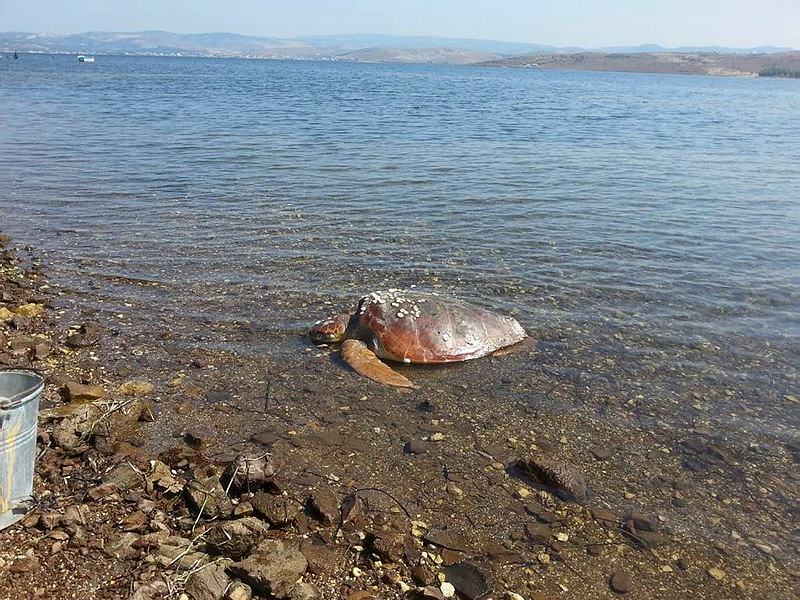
<point x="759" y="66"/>
<point x="427" y="478"/>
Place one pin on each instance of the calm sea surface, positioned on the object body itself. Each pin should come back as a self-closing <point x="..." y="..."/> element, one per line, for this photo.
<point x="651" y="219"/>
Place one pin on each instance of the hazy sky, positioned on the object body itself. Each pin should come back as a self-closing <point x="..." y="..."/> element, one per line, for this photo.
<point x="558" y="22"/>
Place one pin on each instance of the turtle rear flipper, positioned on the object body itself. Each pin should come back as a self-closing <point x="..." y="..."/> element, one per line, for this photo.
<point x="364" y="362"/>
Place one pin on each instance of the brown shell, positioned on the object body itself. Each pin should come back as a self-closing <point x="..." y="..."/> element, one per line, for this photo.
<point x="415" y="327"/>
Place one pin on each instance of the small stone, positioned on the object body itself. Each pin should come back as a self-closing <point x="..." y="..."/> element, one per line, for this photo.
<point x="361" y="595"/>
<point x="136" y="388"/>
<point x="468" y="579"/>
<point x="324" y="505"/>
<point x="640" y="522"/>
<point x="279" y="511"/>
<point x="417" y="447"/>
<point x="208" y="583"/>
<point x="248" y="474"/>
<point x="30" y="310"/>
<point x="717" y="574"/>
<point x="513" y="596"/>
<point x="422" y="575"/>
<point x="207" y="498"/>
<point x="432" y="593"/>
<point x="454" y="490"/>
<point x="620" y="582"/>
<point x="304" y="591"/>
<point x="78" y="392"/>
<point x="448" y="591"/>
<point x="42" y="350"/>
<point x="562" y="537"/>
<point x="605" y="516"/>
<point x="199" y="436"/>
<point x="87" y="335"/>
<point x="273" y="568"/>
<point x="237" y="538"/>
<point x="594" y="550"/>
<point x="176" y="553"/>
<point x="523" y="493"/>
<point x="29" y="564"/>
<point x="239" y="591"/>
<point x="124" y="477"/>
<point x="265" y="438"/>
<point x="552" y="472"/>
<point x="543" y="558"/>
<point x="437" y="437"/>
<point x="322" y="560"/>
<point x="601" y="453"/>
<point x="357" y="572"/>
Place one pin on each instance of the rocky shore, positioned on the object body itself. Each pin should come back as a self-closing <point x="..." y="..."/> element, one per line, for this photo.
<point x="162" y="473"/>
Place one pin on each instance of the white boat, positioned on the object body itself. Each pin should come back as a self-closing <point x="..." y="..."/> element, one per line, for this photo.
<point x="87" y="59"/>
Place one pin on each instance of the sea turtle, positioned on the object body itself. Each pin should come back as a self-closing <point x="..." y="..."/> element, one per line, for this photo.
<point x="408" y="326"/>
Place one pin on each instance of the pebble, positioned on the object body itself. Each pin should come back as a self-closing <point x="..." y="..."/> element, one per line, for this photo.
<point x="448" y="591"/>
<point x="437" y="437"/>
<point x="454" y="490"/>
<point x="717" y="574"/>
<point x="620" y="583"/>
<point x="601" y="453"/>
<point x="136" y="387"/>
<point x="416" y="447"/>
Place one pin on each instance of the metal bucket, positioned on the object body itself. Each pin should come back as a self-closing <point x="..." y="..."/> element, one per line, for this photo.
<point x="19" y="411"/>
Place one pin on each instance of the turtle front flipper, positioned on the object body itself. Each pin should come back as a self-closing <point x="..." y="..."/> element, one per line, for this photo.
<point x="364" y="362"/>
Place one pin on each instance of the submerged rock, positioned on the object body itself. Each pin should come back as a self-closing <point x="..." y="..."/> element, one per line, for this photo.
<point x="562" y="477"/>
<point x="468" y="580"/>
<point x="87" y="335"/>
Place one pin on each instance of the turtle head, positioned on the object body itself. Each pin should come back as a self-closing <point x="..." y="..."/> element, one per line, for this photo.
<point x="330" y="330"/>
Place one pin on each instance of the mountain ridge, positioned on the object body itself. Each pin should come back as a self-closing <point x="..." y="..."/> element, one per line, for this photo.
<point x="322" y="47"/>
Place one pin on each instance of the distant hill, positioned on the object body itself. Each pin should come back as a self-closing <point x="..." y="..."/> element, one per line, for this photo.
<point x="451" y="56"/>
<point x="652" y="48"/>
<point x="355" y="47"/>
<point x="360" y="41"/>
<point x="690" y="63"/>
<point x="152" y="42"/>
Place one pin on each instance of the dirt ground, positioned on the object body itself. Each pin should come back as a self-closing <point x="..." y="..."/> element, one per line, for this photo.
<point x="354" y="490"/>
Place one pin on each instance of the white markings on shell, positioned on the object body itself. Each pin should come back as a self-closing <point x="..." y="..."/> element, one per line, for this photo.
<point x="406" y="360"/>
<point x="402" y="300"/>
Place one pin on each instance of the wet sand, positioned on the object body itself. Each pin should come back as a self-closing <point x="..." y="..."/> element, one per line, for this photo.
<point x="677" y="505"/>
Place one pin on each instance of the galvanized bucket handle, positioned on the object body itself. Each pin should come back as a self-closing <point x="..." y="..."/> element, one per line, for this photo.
<point x="11" y="402"/>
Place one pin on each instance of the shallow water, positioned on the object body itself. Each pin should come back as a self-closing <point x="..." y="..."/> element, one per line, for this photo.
<point x="650" y="222"/>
